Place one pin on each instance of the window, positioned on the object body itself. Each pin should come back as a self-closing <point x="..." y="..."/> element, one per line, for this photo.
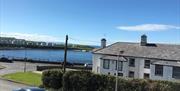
<point x="120" y="65"/>
<point x="132" y="62"/>
<point x="159" y="70"/>
<point x="106" y="64"/>
<point x="146" y="76"/>
<point x="176" y="72"/>
<point x="147" y="64"/>
<point x="120" y="74"/>
<point x="109" y="73"/>
<point x="131" y="74"/>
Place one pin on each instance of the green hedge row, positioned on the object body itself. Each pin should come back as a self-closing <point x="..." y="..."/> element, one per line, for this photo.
<point x="87" y="81"/>
<point x="52" y="79"/>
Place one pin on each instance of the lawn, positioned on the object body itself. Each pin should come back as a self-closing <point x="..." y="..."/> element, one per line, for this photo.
<point x="26" y="78"/>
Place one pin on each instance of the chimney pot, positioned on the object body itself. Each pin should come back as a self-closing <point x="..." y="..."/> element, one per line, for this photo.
<point x="143" y="40"/>
<point x="103" y="43"/>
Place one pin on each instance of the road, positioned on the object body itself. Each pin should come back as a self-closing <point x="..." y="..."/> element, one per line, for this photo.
<point x="19" y="67"/>
<point x="9" y="86"/>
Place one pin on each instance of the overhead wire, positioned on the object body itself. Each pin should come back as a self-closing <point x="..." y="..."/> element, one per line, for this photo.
<point x="89" y="41"/>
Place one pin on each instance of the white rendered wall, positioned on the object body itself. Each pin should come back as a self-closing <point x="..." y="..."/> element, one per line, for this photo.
<point x="96" y="63"/>
<point x="112" y="68"/>
<point x="167" y="73"/>
<point x="139" y="69"/>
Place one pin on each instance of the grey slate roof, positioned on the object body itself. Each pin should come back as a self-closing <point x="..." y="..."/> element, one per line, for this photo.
<point x="167" y="63"/>
<point x="155" y="51"/>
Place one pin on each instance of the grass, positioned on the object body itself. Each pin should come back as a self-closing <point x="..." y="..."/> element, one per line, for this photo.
<point x="29" y="78"/>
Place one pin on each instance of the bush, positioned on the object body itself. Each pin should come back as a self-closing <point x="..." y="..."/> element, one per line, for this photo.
<point x="87" y="81"/>
<point x="78" y="81"/>
<point x="52" y="79"/>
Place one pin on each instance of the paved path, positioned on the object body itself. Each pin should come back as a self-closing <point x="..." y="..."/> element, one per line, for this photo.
<point x="9" y="86"/>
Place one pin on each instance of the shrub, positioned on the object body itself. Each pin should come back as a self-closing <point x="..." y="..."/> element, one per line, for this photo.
<point x="87" y="81"/>
<point x="77" y="81"/>
<point x="52" y="79"/>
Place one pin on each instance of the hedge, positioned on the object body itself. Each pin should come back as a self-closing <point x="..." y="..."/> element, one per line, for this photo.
<point x="87" y="81"/>
<point x="52" y="78"/>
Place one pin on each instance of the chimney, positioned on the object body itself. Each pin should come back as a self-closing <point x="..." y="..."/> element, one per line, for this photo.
<point x="143" y="40"/>
<point x="103" y="43"/>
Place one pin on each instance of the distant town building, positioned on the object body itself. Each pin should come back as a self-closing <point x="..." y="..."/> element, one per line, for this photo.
<point x="14" y="41"/>
<point x="19" y="42"/>
<point x="43" y="44"/>
<point x="4" y="40"/>
<point x="138" y="60"/>
<point x="38" y="43"/>
<point x="50" y="44"/>
<point x="31" y="43"/>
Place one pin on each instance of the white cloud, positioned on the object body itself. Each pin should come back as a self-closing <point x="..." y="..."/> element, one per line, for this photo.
<point x="30" y="37"/>
<point x="148" y="27"/>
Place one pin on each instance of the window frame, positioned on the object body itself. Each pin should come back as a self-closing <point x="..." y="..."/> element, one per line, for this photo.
<point x="130" y="74"/>
<point x="147" y="65"/>
<point x="120" y="74"/>
<point x="177" y="72"/>
<point x="145" y="74"/>
<point x="104" y="63"/>
<point x="159" y="70"/>
<point x="120" y="66"/>
<point x="130" y="60"/>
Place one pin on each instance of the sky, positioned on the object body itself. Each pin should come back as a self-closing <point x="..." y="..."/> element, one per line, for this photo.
<point x="87" y="21"/>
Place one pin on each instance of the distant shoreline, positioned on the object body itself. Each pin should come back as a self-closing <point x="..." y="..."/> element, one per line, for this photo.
<point x="22" y="48"/>
<point x="38" y="61"/>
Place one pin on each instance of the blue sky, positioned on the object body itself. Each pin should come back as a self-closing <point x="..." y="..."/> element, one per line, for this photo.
<point x="87" y="21"/>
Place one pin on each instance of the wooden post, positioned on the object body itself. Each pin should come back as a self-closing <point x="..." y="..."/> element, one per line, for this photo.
<point x="65" y="54"/>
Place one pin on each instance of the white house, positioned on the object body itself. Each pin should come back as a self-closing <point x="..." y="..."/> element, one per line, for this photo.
<point x="138" y="60"/>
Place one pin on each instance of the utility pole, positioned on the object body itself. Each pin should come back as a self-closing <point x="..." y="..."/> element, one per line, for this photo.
<point x="0" y="42"/>
<point x="117" y="69"/>
<point x="25" y="59"/>
<point x="65" y="54"/>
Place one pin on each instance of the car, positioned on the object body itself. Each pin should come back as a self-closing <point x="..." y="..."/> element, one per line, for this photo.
<point x="87" y="65"/>
<point x="4" y="59"/>
<point x="30" y="89"/>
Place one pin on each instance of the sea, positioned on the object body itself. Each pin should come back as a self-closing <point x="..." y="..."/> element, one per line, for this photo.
<point x="73" y="56"/>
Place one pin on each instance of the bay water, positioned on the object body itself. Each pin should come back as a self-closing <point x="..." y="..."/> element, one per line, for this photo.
<point x="73" y="56"/>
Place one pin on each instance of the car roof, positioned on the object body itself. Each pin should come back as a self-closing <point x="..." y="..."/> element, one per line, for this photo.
<point x="30" y="89"/>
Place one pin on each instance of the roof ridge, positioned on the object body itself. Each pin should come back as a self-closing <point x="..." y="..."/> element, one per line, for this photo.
<point x="105" y="47"/>
<point x="162" y="51"/>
